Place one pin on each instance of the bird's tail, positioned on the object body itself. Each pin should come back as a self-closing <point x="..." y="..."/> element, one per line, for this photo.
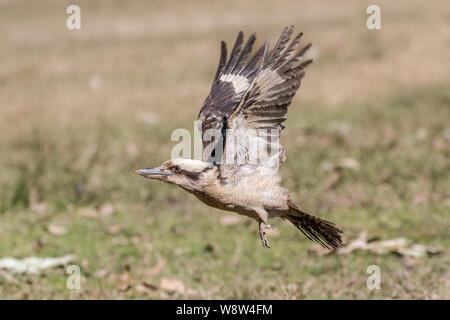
<point x="319" y="230"/>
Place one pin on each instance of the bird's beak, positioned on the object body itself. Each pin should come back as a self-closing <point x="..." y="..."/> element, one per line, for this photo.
<point x="153" y="173"/>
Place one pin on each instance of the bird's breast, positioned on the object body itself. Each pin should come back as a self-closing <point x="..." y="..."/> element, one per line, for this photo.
<point x="245" y="196"/>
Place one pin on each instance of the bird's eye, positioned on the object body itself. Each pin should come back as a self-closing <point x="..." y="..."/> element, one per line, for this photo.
<point x="176" y="169"/>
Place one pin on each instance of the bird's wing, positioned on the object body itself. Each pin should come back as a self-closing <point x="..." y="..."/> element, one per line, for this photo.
<point x="254" y="127"/>
<point x="233" y="78"/>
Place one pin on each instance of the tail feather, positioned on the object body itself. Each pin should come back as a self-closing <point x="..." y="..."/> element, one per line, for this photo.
<point x="319" y="230"/>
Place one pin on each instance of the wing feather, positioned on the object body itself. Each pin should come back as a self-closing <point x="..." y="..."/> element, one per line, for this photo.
<point x="232" y="79"/>
<point x="222" y="61"/>
<point x="263" y="109"/>
<point x="234" y="57"/>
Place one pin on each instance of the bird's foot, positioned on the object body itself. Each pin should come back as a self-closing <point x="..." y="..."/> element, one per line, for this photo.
<point x="262" y="234"/>
<point x="265" y="242"/>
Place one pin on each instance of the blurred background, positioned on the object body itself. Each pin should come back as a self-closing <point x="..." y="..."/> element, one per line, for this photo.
<point x="367" y="141"/>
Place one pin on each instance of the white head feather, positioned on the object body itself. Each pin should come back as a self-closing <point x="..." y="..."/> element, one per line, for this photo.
<point x="190" y="165"/>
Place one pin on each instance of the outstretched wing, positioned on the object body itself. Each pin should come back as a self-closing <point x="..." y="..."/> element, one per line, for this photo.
<point x="254" y="127"/>
<point x="233" y="78"/>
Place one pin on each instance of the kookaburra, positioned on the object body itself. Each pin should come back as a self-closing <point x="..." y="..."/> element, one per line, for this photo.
<point x="241" y="121"/>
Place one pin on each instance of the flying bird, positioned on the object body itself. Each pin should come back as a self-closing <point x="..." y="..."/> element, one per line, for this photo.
<point x="241" y="121"/>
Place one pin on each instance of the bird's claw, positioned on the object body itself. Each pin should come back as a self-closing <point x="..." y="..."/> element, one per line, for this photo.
<point x="262" y="234"/>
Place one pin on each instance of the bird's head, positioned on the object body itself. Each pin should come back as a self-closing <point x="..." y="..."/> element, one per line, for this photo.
<point x="189" y="174"/>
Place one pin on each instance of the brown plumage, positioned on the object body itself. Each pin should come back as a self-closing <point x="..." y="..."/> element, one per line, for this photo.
<point x="241" y="122"/>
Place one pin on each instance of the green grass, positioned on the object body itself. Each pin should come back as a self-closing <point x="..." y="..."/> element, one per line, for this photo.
<point x="90" y="166"/>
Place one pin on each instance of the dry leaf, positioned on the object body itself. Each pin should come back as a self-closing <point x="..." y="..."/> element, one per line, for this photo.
<point x="114" y="229"/>
<point x="39" y="207"/>
<point x="57" y="229"/>
<point x="358" y="243"/>
<point x="140" y="206"/>
<point x="100" y="274"/>
<point x="124" y="287"/>
<point x="401" y="246"/>
<point x="124" y="280"/>
<point x="421" y="133"/>
<point x="421" y="198"/>
<point x="33" y="265"/>
<point x="105" y="210"/>
<point x="146" y="287"/>
<point x="310" y="283"/>
<point x="180" y="251"/>
<point x="120" y="241"/>
<point x="172" y="285"/>
<point x="135" y="240"/>
<point x="87" y="212"/>
<point x="85" y="263"/>
<point x="350" y="163"/>
<point x="276" y="266"/>
<point x="145" y="237"/>
<point x="125" y="277"/>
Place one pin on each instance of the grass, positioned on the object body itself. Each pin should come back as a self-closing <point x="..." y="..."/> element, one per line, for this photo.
<point x="68" y="153"/>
